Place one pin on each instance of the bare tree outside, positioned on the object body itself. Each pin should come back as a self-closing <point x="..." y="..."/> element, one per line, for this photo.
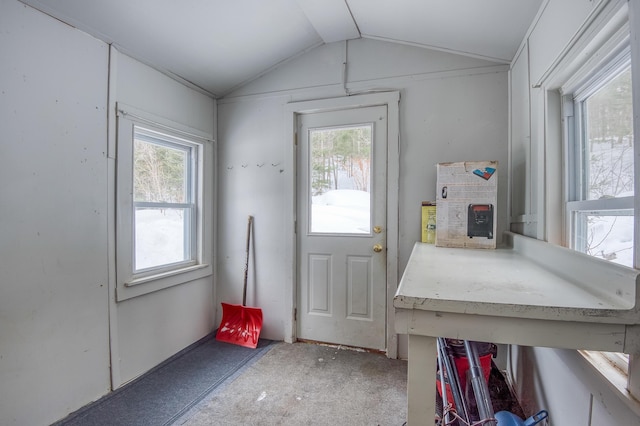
<point x="609" y="164"/>
<point x="159" y="173"/>
<point x="340" y="181"/>
<point x="341" y="159"/>
<point x="610" y="138"/>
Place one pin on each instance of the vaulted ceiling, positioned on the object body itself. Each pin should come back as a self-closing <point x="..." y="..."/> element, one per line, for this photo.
<point x="220" y="45"/>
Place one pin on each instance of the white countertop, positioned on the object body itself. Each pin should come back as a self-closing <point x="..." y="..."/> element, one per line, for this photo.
<point x="507" y="282"/>
<point x="528" y="293"/>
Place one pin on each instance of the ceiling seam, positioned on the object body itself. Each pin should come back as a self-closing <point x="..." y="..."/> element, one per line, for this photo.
<point x="353" y="18"/>
<point x="441" y="49"/>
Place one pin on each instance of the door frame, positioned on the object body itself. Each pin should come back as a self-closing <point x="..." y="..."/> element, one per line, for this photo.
<point x="291" y="111"/>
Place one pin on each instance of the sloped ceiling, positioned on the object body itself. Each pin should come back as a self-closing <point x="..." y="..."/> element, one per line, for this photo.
<point x="218" y="45"/>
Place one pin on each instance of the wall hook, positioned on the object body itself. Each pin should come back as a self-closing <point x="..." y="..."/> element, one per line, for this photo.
<point x="260" y="165"/>
<point x="275" y="164"/>
<point x="229" y="167"/>
<point x="244" y="166"/>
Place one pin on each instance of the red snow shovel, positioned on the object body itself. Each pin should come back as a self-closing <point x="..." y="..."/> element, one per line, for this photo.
<point x="241" y="324"/>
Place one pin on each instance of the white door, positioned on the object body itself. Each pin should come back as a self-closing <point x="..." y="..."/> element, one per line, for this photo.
<point x="341" y="227"/>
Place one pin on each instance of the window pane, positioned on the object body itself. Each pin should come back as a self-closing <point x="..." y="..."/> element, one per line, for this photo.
<point x="606" y="235"/>
<point x="160" y="172"/>
<point x="160" y="236"/>
<point x="609" y="145"/>
<point x="340" y="160"/>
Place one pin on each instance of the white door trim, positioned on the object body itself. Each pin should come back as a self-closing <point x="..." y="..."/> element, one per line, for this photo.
<point x="291" y="110"/>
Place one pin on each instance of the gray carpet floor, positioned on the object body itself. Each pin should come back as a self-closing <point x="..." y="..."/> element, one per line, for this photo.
<point x="308" y="384"/>
<point x="215" y="383"/>
<point x="170" y="390"/>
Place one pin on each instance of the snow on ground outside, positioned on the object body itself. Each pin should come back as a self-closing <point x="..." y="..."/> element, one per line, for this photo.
<point x="159" y="237"/>
<point x="613" y="238"/>
<point x="160" y="233"/>
<point x="341" y="211"/>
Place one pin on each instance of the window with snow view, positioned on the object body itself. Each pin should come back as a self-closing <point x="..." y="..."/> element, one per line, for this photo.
<point x="163" y="200"/>
<point x="600" y="210"/>
<point x="163" y="204"/>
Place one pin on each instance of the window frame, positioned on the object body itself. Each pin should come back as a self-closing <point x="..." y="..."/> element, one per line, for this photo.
<point x="576" y="201"/>
<point x="310" y="220"/>
<point x="191" y="234"/>
<point x="130" y="282"/>
<point x="612" y="31"/>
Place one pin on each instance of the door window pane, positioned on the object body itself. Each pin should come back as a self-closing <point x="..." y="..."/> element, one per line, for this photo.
<point x="340" y="189"/>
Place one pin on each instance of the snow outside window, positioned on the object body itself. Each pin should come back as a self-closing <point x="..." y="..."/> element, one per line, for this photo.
<point x="340" y="181"/>
<point x="163" y="210"/>
<point x="164" y="201"/>
<point x="600" y="209"/>
<point x="599" y="171"/>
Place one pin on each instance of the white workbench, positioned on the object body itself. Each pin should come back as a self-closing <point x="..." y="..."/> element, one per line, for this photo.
<point x="528" y="293"/>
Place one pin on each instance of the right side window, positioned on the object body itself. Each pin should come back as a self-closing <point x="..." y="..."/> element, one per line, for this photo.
<point x="600" y="206"/>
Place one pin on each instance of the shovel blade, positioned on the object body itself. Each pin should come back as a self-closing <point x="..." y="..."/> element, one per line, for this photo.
<point x="240" y="325"/>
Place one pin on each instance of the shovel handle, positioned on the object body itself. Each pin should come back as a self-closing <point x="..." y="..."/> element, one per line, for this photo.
<point x="246" y="262"/>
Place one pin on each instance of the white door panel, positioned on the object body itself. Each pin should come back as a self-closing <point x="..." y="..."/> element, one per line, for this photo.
<point x="341" y="217"/>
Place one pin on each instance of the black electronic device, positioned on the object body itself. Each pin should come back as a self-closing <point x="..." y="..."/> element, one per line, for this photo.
<point x="480" y="220"/>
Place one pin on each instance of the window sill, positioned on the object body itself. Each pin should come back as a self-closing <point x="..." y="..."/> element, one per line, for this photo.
<point x="150" y="284"/>
<point x="151" y="278"/>
<point x="613" y="374"/>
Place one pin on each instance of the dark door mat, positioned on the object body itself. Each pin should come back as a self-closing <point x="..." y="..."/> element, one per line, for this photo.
<point x="165" y="393"/>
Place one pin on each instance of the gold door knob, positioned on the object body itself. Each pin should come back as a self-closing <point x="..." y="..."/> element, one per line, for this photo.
<point x="377" y="248"/>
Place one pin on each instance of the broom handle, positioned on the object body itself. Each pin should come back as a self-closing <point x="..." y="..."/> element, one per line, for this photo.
<point x="246" y="262"/>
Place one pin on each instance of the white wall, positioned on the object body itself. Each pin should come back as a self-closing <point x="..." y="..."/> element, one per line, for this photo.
<point x="452" y="108"/>
<point x="54" y="333"/>
<point x="554" y="30"/>
<point x="56" y="216"/>
<point x="560" y="381"/>
<point x="150" y="328"/>
<point x="563" y="383"/>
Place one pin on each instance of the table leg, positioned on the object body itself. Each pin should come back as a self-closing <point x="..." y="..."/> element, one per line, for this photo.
<point x="421" y="380"/>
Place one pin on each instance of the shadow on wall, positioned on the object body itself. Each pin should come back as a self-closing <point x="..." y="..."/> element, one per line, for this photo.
<point x="528" y="383"/>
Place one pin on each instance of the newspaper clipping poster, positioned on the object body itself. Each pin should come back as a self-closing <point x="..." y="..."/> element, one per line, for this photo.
<point x="466" y="194"/>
